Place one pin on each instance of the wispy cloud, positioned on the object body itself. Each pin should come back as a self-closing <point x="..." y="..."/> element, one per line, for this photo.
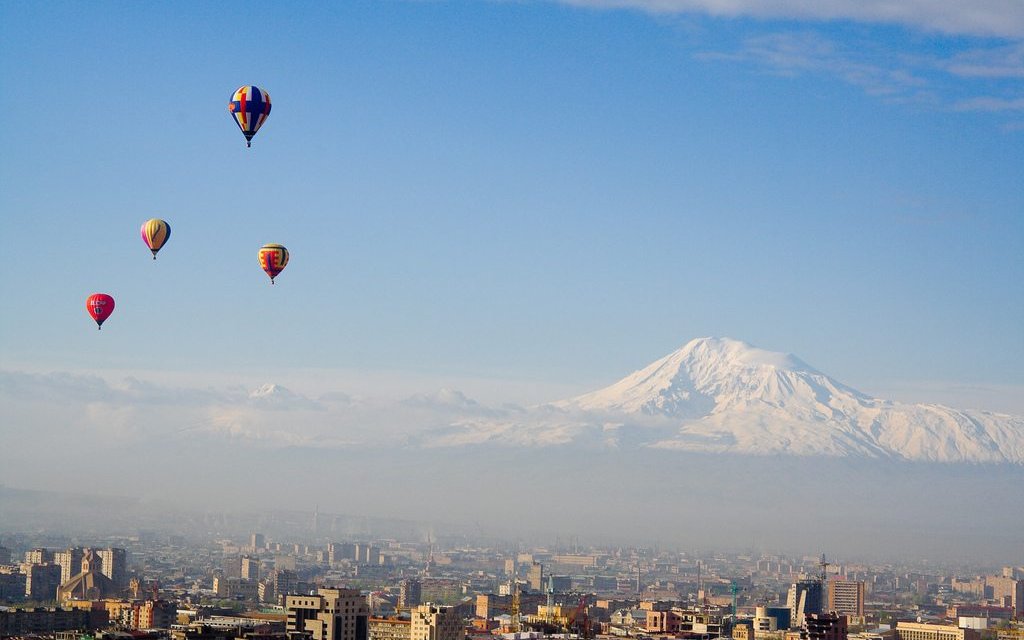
<point x="986" y="103"/>
<point x="956" y="74"/>
<point x="1000" y="18"/>
<point x="964" y="82"/>
<point x="998" y="62"/>
<point x="808" y="52"/>
<point x="70" y="414"/>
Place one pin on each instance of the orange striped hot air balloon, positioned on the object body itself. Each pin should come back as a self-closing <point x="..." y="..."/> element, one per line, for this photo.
<point x="273" y="258"/>
<point x="155" y="233"/>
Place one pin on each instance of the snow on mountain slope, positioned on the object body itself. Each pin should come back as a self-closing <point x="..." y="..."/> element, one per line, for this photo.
<point x="723" y="395"/>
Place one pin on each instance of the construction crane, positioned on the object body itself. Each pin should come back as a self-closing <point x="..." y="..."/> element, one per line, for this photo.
<point x="823" y="577"/>
<point x="430" y="556"/>
<point x="582" y="621"/>
<point x="549" y="616"/>
<point x="515" y="609"/>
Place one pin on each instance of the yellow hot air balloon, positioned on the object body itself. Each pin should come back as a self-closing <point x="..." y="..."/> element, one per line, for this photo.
<point x="155" y="233"/>
<point x="273" y="258"/>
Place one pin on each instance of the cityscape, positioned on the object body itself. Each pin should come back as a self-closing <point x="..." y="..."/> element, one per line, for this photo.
<point x="313" y="582"/>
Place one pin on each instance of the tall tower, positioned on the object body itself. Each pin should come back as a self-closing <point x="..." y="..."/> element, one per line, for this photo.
<point x="700" y="585"/>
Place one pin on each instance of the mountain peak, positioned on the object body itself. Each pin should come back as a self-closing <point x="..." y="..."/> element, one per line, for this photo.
<point x="710" y="373"/>
<point x="732" y="352"/>
<point x="720" y="394"/>
<point x="270" y="390"/>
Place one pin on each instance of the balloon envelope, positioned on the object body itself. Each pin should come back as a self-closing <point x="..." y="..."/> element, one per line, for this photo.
<point x="250" y="107"/>
<point x="99" y="306"/>
<point x="273" y="258"/>
<point x="155" y="233"/>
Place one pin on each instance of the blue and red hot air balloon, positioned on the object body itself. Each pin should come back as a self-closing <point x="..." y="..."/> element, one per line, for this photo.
<point x="250" y="107"/>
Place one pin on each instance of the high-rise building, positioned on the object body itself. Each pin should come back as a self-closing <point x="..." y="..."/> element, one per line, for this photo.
<point x="1007" y="592"/>
<point x="338" y="551"/>
<point x="38" y="556"/>
<point x="366" y="553"/>
<point x="114" y="565"/>
<point x="433" y="622"/>
<point x="410" y="593"/>
<point x="331" y="614"/>
<point x="231" y="566"/>
<point x="804" y="597"/>
<point x="257" y="542"/>
<point x="535" y="577"/>
<point x="277" y="584"/>
<point x="847" y="597"/>
<point x="824" y="626"/>
<point x="12" y="586"/>
<point x="372" y="555"/>
<point x="70" y="561"/>
<point x="441" y="590"/>
<point x="41" y="581"/>
<point x="5" y="555"/>
<point x="559" y="584"/>
<point x="250" y="568"/>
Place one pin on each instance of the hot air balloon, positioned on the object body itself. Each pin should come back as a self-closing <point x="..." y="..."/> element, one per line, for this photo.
<point x="273" y="258"/>
<point x="250" y="107"/>
<point x="155" y="233"/>
<point x="99" y="306"/>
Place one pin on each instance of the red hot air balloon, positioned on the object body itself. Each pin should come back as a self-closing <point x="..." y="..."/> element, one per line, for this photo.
<point x="99" y="306"/>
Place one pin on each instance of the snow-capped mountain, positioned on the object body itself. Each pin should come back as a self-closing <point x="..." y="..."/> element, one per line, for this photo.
<point x="727" y="396"/>
<point x="275" y="396"/>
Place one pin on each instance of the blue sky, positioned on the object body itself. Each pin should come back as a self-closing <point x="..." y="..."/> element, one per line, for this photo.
<point x="554" y="194"/>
